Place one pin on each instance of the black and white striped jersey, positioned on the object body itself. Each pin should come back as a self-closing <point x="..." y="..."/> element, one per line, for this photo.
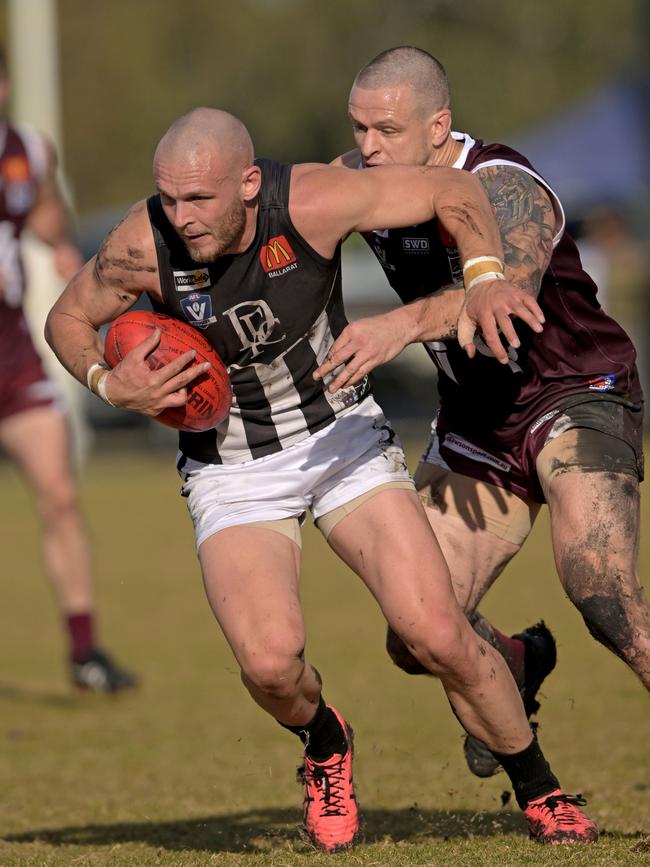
<point x="272" y="313"/>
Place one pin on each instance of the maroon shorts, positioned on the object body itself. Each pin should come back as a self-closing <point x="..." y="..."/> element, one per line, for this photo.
<point x="24" y="384"/>
<point x="514" y="468"/>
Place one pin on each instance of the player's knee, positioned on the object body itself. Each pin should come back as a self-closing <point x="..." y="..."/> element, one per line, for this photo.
<point x="443" y="648"/>
<point x="275" y="675"/>
<point x="402" y="656"/>
<point x="58" y="502"/>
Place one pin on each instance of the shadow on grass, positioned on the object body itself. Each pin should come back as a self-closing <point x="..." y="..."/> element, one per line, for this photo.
<point x="272" y="828"/>
<point x="36" y="696"/>
<point x="264" y="829"/>
<point x="74" y="699"/>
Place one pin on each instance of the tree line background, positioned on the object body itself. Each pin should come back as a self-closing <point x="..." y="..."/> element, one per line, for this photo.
<point x="129" y="67"/>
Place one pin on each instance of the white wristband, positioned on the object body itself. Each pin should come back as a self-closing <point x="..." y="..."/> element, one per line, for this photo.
<point x="481" y="278"/>
<point x="91" y="372"/>
<point x="96" y="381"/>
<point x="101" y="388"/>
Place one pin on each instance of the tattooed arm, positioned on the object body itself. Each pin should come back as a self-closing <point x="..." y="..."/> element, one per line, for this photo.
<point x="526" y="222"/>
<point x="107" y="286"/>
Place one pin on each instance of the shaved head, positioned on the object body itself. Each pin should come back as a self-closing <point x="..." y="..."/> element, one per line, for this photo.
<point x="208" y="184"/>
<point x="409" y="66"/>
<point x="207" y="133"/>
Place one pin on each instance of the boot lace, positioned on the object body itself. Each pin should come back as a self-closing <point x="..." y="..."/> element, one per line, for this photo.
<point x="562" y="807"/>
<point x="330" y="781"/>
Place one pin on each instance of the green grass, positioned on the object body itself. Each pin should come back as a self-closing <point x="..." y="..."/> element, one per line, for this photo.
<point x="187" y="771"/>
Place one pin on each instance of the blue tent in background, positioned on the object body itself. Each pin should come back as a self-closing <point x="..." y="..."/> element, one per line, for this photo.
<point x="595" y="152"/>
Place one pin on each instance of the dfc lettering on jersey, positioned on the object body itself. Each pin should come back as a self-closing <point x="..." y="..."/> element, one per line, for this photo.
<point x="255" y="324"/>
<point x="198" y="310"/>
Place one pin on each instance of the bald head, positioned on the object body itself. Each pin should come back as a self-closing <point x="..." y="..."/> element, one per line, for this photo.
<point x="205" y="134"/>
<point x="409" y="66"/>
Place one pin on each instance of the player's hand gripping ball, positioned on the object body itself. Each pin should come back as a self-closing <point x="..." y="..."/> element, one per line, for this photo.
<point x="208" y="397"/>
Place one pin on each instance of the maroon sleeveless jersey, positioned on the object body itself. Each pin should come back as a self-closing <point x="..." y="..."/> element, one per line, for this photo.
<point x="22" y="166"/>
<point x="582" y="354"/>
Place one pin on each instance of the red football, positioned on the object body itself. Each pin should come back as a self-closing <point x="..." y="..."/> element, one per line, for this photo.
<point x="208" y="397"/>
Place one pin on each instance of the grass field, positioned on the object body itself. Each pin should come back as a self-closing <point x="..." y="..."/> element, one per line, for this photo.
<point x="187" y="771"/>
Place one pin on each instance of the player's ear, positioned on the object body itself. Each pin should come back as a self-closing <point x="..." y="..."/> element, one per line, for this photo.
<point x="440" y="127"/>
<point x="251" y="182"/>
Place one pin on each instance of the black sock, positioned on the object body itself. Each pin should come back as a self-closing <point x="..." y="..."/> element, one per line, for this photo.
<point x="323" y="736"/>
<point x="529" y="772"/>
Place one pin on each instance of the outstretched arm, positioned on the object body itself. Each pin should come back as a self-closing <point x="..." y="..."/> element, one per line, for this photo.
<point x="106" y="287"/>
<point x="329" y="202"/>
<point x="374" y="340"/>
<point x="393" y="196"/>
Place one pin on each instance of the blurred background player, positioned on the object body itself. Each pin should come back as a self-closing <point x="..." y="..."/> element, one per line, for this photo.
<point x="34" y="429"/>
<point x="559" y="422"/>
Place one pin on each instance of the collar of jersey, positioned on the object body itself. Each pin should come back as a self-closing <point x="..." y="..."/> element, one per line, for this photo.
<point x="468" y="144"/>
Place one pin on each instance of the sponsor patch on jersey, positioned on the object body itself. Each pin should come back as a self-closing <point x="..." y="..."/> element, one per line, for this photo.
<point x="415" y="245"/>
<point x="606" y="382"/>
<point x="190" y="281"/>
<point x="463" y="447"/>
<point x="346" y="397"/>
<point x="198" y="310"/>
<point x="540" y="421"/>
<point x="277" y="257"/>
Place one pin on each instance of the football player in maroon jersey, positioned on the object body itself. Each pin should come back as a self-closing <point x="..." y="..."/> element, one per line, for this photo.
<point x="555" y="420"/>
<point x="34" y="430"/>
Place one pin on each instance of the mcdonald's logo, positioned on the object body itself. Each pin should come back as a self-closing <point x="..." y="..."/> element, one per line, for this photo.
<point x="276" y="254"/>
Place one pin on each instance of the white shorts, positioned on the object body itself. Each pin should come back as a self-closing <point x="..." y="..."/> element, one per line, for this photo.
<point x="356" y="453"/>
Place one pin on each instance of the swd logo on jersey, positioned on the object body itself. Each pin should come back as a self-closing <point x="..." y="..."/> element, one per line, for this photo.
<point x="190" y="281"/>
<point x="198" y="310"/>
<point x="415" y="245"/>
<point x="277" y="257"/>
<point x="255" y="324"/>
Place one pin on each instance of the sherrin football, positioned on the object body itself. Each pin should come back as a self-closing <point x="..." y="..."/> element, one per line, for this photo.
<point x="208" y="397"/>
